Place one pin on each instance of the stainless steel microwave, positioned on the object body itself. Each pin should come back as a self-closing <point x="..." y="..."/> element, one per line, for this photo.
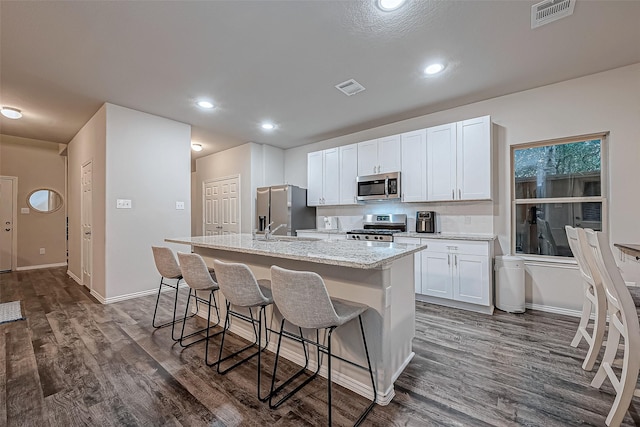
<point x="383" y="186"/>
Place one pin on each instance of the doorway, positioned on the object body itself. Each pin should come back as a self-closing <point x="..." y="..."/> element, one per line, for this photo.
<point x="221" y="206"/>
<point x="8" y="221"/>
<point x="86" y="219"/>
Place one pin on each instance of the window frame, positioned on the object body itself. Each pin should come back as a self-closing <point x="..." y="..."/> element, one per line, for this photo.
<point x="604" y="190"/>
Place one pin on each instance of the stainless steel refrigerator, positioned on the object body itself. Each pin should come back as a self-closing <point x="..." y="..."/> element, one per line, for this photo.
<point x="284" y="204"/>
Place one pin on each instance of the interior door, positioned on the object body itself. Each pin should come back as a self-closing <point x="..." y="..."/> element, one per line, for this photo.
<point x="221" y="206"/>
<point x="86" y="215"/>
<point x="7" y="219"/>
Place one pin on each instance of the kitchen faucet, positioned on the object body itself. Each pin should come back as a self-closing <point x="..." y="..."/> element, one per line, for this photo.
<point x="269" y="232"/>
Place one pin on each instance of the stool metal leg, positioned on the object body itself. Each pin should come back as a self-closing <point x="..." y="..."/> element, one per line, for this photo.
<point x="212" y="296"/>
<point x="275" y="391"/>
<point x="155" y="311"/>
<point x="373" y="382"/>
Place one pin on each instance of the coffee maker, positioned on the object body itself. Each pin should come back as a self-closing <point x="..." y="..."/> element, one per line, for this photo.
<point x="425" y="222"/>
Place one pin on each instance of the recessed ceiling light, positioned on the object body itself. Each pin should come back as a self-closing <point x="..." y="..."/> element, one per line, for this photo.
<point x="268" y="126"/>
<point x="196" y="147"/>
<point x="389" y="5"/>
<point x="11" y="113"/>
<point x="205" y="104"/>
<point x="433" y="69"/>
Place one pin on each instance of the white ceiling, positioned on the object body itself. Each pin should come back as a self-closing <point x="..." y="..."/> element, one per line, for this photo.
<point x="280" y="60"/>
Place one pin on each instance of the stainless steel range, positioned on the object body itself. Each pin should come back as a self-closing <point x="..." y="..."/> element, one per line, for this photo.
<point x="379" y="227"/>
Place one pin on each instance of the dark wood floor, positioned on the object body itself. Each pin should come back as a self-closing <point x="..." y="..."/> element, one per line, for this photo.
<point x="77" y="362"/>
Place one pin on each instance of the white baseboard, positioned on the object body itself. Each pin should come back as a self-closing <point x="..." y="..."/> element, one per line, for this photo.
<point x="99" y="297"/>
<point x="37" y="267"/>
<point x="365" y="390"/>
<point x="74" y="277"/>
<point x="556" y="310"/>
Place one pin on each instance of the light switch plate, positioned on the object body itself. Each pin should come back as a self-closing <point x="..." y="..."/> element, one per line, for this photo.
<point x="179" y="205"/>
<point x="123" y="204"/>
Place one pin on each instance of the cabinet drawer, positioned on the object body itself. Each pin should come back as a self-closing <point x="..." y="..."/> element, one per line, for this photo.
<point x="457" y="246"/>
<point x="407" y="240"/>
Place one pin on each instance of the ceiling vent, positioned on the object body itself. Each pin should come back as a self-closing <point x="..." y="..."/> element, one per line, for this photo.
<point x="350" y="87"/>
<point x="550" y="10"/>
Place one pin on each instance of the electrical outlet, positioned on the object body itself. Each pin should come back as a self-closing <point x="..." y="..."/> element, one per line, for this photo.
<point x="180" y="205"/>
<point x="123" y="204"/>
<point x="41" y="251"/>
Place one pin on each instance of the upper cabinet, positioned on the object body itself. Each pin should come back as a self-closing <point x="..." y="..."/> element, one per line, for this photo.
<point x="380" y="155"/>
<point x="323" y="177"/>
<point x="459" y="160"/>
<point x="413" y="175"/>
<point x="348" y="164"/>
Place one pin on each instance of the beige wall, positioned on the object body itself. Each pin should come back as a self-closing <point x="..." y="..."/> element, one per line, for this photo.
<point x="608" y="101"/>
<point x="145" y="159"/>
<point x="89" y="144"/>
<point x="37" y="164"/>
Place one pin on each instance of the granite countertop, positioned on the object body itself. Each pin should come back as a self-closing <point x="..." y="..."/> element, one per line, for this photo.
<point x="446" y="236"/>
<point x="631" y="248"/>
<point x="322" y="230"/>
<point x="344" y="253"/>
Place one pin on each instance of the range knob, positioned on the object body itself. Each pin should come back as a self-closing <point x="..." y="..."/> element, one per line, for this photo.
<point x="366" y="237"/>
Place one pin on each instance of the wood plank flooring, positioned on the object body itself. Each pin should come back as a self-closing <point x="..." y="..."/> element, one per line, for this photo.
<point x="75" y="362"/>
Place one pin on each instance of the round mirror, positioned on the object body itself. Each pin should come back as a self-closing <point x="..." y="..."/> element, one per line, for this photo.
<point x="44" y="200"/>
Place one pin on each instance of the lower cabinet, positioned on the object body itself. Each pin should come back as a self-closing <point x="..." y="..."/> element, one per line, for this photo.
<point x="454" y="271"/>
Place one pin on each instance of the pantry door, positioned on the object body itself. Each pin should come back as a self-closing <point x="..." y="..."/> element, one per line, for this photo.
<point x="8" y="233"/>
<point x="221" y="206"/>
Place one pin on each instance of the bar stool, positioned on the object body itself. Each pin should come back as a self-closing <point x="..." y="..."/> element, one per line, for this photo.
<point x="169" y="269"/>
<point x="623" y="321"/>
<point x="199" y="278"/>
<point x="594" y="300"/>
<point x="241" y="289"/>
<point x="303" y="300"/>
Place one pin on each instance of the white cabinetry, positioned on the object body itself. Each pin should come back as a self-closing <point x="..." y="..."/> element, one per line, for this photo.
<point x="459" y="160"/>
<point x="323" y="177"/>
<point x="379" y="155"/>
<point x="414" y="166"/>
<point x="348" y="164"/>
<point x="454" y="272"/>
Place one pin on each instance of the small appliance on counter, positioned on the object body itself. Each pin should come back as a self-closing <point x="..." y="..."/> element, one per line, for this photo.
<point x="425" y="222"/>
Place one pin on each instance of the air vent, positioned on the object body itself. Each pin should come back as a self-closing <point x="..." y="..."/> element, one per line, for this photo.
<point x="350" y="87"/>
<point x="550" y="10"/>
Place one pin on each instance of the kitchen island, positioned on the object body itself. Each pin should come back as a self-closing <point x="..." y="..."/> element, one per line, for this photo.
<point x="374" y="273"/>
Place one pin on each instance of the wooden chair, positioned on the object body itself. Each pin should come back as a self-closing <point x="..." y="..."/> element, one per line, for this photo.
<point x="623" y="322"/>
<point x="595" y="300"/>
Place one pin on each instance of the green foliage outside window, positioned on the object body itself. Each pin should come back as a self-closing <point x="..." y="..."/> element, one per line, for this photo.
<point x="561" y="159"/>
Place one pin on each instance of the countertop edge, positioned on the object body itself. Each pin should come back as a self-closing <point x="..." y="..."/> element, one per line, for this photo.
<point x="319" y="260"/>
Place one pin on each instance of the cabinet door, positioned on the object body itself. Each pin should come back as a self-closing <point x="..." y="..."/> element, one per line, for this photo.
<point x="313" y="235"/>
<point x="348" y="173"/>
<point x="314" y="178"/>
<point x="330" y="177"/>
<point x="441" y="161"/>
<point x="474" y="159"/>
<point x="368" y="157"/>
<point x="414" y="166"/>
<point x="436" y="274"/>
<point x="389" y="154"/>
<point x="471" y="278"/>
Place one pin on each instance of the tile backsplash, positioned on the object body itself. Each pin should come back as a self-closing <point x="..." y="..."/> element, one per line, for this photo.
<point x="452" y="217"/>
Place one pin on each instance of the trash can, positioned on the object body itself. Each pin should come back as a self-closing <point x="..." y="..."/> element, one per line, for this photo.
<point x="510" y="283"/>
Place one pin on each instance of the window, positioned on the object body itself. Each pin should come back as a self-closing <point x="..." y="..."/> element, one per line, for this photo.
<point x="556" y="183"/>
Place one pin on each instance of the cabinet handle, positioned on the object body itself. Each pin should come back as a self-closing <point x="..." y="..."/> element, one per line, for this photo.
<point x="374" y="169"/>
<point x="448" y="259"/>
<point x="453" y="194"/>
<point x="455" y="259"/>
<point x="459" y="194"/>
